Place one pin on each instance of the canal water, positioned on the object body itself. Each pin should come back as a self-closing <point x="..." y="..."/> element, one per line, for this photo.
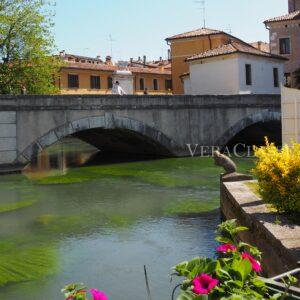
<point x="100" y="224"/>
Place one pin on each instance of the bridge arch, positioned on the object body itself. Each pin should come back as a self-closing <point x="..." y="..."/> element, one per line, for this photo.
<point x="91" y="129"/>
<point x="265" y="116"/>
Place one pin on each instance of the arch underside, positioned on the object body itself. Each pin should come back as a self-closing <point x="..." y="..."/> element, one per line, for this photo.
<point x="109" y="133"/>
<point x="263" y="122"/>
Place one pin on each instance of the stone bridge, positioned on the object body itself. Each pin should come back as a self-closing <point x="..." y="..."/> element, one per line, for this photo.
<point x="161" y="125"/>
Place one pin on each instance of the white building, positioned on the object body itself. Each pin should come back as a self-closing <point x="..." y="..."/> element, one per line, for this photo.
<point x="234" y="68"/>
<point x="125" y="79"/>
<point x="290" y="107"/>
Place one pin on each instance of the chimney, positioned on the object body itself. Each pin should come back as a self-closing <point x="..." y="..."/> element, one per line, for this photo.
<point x="294" y="5"/>
<point x="160" y="59"/>
<point x="144" y="60"/>
<point x="139" y="58"/>
<point x="108" y="60"/>
<point x="131" y="60"/>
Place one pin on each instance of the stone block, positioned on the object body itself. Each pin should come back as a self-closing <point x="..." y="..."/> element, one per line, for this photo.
<point x="8" y="144"/>
<point x="7" y="157"/>
<point x="64" y="130"/>
<point x="7" y="117"/>
<point x="48" y="139"/>
<point x="97" y="122"/>
<point x="8" y="130"/>
<point x="81" y="125"/>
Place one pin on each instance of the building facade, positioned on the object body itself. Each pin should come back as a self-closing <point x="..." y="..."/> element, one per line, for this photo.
<point x="86" y="75"/>
<point x="290" y="106"/>
<point x="285" y="39"/>
<point x="234" y="68"/>
<point x="188" y="44"/>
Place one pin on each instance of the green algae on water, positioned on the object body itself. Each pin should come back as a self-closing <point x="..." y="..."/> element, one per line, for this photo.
<point x="191" y="206"/>
<point x="7" y="207"/>
<point x="20" y="264"/>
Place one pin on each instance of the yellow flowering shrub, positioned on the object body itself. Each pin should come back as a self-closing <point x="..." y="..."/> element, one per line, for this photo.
<point x="278" y="174"/>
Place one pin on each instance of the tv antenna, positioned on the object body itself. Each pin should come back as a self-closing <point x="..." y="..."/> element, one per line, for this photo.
<point x="229" y="29"/>
<point x="111" y="40"/>
<point x="202" y="7"/>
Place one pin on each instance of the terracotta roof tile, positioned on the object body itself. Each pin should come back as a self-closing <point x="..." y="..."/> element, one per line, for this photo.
<point x="292" y="16"/>
<point x="263" y="46"/>
<point x="194" y="33"/>
<point x="112" y="68"/>
<point x="234" y="47"/>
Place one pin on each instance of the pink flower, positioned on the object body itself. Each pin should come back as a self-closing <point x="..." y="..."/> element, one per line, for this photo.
<point x="203" y="284"/>
<point x="255" y="264"/>
<point x="98" y="295"/>
<point x="225" y="248"/>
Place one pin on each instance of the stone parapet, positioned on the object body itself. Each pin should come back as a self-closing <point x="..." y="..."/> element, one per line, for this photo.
<point x="276" y="236"/>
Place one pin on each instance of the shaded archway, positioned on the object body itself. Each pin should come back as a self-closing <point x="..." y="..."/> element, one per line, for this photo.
<point x="109" y="133"/>
<point x="252" y="130"/>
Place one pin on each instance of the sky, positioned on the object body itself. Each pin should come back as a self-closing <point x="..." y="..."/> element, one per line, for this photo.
<point x="137" y="28"/>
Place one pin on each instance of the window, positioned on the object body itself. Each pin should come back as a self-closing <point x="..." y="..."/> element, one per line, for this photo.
<point x="284" y="46"/>
<point x="276" y="77"/>
<point x="287" y="79"/>
<point x="109" y="83"/>
<point x="142" y="84"/>
<point x="95" y="83"/>
<point x="248" y="74"/>
<point x="168" y="84"/>
<point x="155" y="84"/>
<point x="73" y="81"/>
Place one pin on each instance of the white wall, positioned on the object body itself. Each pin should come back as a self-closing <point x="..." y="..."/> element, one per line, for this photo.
<point x="218" y="77"/>
<point x="125" y="81"/>
<point x="290" y="106"/>
<point x="227" y="76"/>
<point x="187" y="85"/>
<point x="262" y="75"/>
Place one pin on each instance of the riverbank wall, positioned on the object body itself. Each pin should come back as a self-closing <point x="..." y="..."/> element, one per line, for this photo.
<point x="276" y="236"/>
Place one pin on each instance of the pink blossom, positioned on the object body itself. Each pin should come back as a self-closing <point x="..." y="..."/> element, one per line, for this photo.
<point x="255" y="264"/>
<point x="225" y="248"/>
<point x="203" y="284"/>
<point x="98" y="295"/>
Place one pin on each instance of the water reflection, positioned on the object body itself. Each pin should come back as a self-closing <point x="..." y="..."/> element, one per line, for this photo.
<point x="100" y="224"/>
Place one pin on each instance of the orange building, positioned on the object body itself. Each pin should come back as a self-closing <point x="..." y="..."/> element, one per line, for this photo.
<point x="86" y="75"/>
<point x="189" y="44"/>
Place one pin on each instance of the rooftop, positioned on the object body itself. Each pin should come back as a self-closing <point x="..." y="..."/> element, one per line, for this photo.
<point x="195" y="33"/>
<point x="113" y="68"/>
<point x="289" y="17"/>
<point x="234" y="47"/>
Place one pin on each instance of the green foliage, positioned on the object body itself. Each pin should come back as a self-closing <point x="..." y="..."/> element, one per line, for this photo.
<point x="26" y="46"/>
<point x="278" y="174"/>
<point x="237" y="277"/>
<point x="20" y="263"/>
<point x="75" y="291"/>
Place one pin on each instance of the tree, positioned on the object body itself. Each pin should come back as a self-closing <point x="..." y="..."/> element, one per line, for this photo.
<point x="26" y="47"/>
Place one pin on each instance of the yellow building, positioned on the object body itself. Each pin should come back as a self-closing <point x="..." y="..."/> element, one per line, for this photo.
<point x="189" y="44"/>
<point x="86" y="75"/>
